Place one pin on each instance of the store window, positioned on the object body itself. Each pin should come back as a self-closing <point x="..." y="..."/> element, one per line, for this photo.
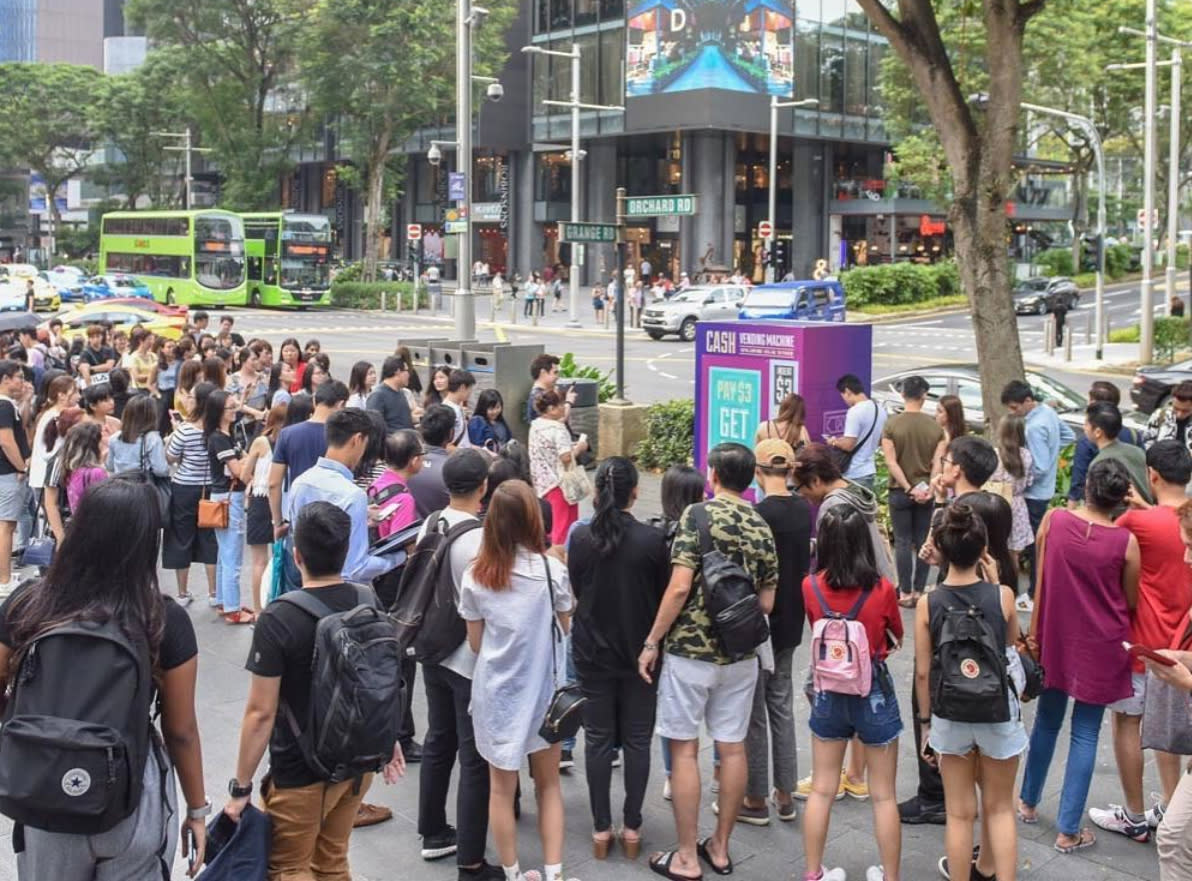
<point x="589" y="68"/>
<point x="587" y="12"/>
<point x="552" y="179"/>
<point x="612" y="59"/>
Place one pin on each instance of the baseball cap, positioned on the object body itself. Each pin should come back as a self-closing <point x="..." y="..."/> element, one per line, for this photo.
<point x="774" y="452"/>
<point x="464" y="471"/>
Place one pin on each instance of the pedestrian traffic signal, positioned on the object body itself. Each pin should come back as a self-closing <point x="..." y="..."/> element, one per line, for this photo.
<point x="780" y="256"/>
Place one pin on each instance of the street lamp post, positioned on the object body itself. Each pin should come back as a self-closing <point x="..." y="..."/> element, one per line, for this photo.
<point x="575" y="105"/>
<point x="465" y="306"/>
<point x="187" y="148"/>
<point x="1086" y="124"/>
<point x="772" y="204"/>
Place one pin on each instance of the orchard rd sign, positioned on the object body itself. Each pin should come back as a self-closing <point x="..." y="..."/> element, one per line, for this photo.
<point x="659" y="206"/>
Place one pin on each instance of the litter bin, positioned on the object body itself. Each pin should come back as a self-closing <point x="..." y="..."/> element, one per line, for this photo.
<point x="420" y="361"/>
<point x="505" y="367"/>
<point x="584" y="416"/>
<point x="480" y="359"/>
<point x="449" y="353"/>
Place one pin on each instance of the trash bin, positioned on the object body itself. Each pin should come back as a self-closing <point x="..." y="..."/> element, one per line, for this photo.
<point x="584" y="416"/>
<point x="420" y="362"/>
<point x="480" y="359"/>
<point x="449" y="353"/>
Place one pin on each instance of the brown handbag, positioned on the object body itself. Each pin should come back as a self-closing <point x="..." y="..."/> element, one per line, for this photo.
<point x="213" y="514"/>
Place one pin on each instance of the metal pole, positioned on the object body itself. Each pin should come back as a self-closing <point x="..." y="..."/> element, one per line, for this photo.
<point x="773" y="192"/>
<point x="464" y="307"/>
<point x="188" y="177"/>
<point x="621" y="299"/>
<point x="1100" y="282"/>
<point x="573" y="272"/>
<point x="1146" y="347"/>
<point x="1173" y="181"/>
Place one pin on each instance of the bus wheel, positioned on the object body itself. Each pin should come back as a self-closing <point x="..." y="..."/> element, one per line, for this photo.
<point x="255" y="302"/>
<point x="170" y="298"/>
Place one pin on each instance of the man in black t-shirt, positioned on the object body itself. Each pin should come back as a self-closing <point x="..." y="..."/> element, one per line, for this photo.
<point x="311" y="818"/>
<point x="14" y="466"/>
<point x="97" y="359"/>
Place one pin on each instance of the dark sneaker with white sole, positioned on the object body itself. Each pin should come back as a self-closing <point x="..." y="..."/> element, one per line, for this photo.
<point x="435" y="847"/>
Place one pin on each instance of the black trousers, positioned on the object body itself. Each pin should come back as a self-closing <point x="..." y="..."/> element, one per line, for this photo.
<point x="448" y="733"/>
<point x="409" y="674"/>
<point x="620" y="710"/>
<point x="931" y="784"/>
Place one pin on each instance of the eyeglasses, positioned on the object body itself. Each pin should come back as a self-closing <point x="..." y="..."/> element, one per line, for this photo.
<point x="946" y="460"/>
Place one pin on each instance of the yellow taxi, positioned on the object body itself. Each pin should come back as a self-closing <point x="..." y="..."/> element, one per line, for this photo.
<point x="45" y="294"/>
<point x="122" y="315"/>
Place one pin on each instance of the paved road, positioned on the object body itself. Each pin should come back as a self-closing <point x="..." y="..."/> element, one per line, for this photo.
<point x="390" y="852"/>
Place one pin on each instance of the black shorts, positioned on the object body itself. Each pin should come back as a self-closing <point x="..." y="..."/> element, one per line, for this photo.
<point x="184" y="542"/>
<point x="259" y="530"/>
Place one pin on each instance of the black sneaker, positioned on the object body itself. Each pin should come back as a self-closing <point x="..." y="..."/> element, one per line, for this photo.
<point x="435" y="847"/>
<point x="484" y="872"/>
<point x="566" y="760"/>
<point x="974" y="875"/>
<point x="916" y="812"/>
<point x="412" y="750"/>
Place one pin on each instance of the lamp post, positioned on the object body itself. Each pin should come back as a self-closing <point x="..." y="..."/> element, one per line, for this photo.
<point x="575" y="106"/>
<point x="772" y="204"/>
<point x="1086" y="125"/>
<point x="187" y="148"/>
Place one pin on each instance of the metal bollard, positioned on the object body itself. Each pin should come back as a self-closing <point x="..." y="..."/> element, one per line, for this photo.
<point x="1048" y="335"/>
<point x="382" y="301"/>
<point x="1088" y="329"/>
<point x="1068" y="345"/>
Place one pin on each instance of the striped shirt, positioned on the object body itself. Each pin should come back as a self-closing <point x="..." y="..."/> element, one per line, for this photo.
<point x="194" y="469"/>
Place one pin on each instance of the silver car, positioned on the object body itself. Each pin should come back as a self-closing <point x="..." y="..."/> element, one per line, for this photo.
<point x="680" y="313"/>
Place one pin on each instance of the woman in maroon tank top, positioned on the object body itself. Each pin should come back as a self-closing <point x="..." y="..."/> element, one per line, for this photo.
<point x="1087" y="584"/>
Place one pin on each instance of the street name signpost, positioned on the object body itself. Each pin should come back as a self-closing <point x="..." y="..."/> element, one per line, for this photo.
<point x="455" y="227"/>
<point x="659" y="206"/>
<point x="587" y="232"/>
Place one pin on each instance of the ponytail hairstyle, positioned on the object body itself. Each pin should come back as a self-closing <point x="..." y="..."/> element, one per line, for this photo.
<point x="960" y="536"/>
<point x="616" y="478"/>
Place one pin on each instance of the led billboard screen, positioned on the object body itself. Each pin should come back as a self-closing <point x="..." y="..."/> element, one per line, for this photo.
<point x="686" y="45"/>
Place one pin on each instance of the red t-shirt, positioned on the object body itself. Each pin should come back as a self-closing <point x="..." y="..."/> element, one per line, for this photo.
<point x="1165" y="580"/>
<point x="880" y="612"/>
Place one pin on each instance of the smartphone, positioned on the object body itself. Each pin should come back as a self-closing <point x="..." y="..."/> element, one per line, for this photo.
<point x="387" y="512"/>
<point x="892" y="642"/>
<point x="920" y="487"/>
<point x="175" y="416"/>
<point x="192" y="849"/>
<point x="1141" y="651"/>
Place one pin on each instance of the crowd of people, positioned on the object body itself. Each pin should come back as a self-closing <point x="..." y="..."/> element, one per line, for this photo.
<point x="409" y="521"/>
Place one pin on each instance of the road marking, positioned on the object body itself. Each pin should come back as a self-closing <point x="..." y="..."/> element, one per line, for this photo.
<point x="667" y="375"/>
<point x="500" y="334"/>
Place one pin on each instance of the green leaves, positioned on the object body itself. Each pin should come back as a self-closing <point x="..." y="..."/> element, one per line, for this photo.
<point x="670" y="435"/>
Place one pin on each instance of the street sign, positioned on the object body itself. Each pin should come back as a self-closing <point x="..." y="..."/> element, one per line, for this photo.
<point x="659" y="206"/>
<point x="587" y="232"/>
<point x="456" y="186"/>
<point x="765" y="230"/>
<point x="451" y="227"/>
<point x="413" y="231"/>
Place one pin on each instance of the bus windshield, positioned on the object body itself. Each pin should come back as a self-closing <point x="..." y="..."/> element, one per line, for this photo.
<point x="219" y="252"/>
<point x="305" y="252"/>
<point x="305" y="273"/>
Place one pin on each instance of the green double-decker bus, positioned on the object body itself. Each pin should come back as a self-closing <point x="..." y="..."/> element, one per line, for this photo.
<point x="194" y="258"/>
<point x="289" y="259"/>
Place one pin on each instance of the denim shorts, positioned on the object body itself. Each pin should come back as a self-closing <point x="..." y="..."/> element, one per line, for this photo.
<point x="994" y="740"/>
<point x="873" y="718"/>
<point x="1132" y="705"/>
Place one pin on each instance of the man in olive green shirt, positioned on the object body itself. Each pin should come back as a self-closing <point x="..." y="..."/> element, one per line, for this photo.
<point x="1102" y="425"/>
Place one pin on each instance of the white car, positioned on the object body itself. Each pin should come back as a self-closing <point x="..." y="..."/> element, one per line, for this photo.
<point x="680" y="313"/>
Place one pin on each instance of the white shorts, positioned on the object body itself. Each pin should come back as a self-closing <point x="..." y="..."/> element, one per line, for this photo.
<point x="1132" y="705"/>
<point x="691" y="693"/>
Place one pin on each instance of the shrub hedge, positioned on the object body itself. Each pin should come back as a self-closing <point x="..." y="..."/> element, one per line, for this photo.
<point x="367" y="295"/>
<point x="894" y="284"/>
<point x="670" y="435"/>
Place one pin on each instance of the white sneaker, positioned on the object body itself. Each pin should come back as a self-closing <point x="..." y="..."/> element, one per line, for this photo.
<point x="1154" y="814"/>
<point x="875" y="873"/>
<point x="666" y="790"/>
<point x="715" y="787"/>
<point x="1024" y="604"/>
<point x="837" y="874"/>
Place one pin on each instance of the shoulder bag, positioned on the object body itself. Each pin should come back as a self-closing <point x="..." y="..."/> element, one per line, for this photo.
<point x="846" y="456"/>
<point x="565" y="711"/>
<point x="213" y="514"/>
<point x="161" y="485"/>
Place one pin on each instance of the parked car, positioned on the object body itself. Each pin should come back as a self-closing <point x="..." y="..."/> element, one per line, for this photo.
<point x="12" y="295"/>
<point x="1038" y="296"/>
<point x="964" y="381"/>
<point x="679" y="314"/>
<point x="46" y="296"/>
<point x="107" y="287"/>
<point x="1153" y="384"/>
<point x="122" y="315"/>
<point x="800" y="300"/>
<point x="69" y="281"/>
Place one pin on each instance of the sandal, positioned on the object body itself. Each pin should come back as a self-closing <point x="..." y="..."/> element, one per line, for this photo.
<point x="909" y="601"/>
<point x="631" y="840"/>
<point x="249" y="614"/>
<point x="236" y="618"/>
<point x="702" y="849"/>
<point x="1027" y="819"/>
<point x="1084" y="839"/>
<point x="601" y="843"/>
<point x="660" y="864"/>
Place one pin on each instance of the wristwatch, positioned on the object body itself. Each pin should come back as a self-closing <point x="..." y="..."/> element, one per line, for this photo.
<point x="924" y="720"/>
<point x="200" y="813"/>
<point x="236" y="790"/>
<point x="650" y="646"/>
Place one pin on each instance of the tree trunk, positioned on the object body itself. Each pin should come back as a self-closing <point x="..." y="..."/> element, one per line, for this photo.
<point x="374" y="207"/>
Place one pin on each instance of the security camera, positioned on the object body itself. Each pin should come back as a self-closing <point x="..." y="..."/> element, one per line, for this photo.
<point x="434" y="155"/>
<point x="495" y="92"/>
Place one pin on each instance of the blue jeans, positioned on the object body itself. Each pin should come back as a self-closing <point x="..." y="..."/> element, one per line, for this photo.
<point x="231" y="552"/>
<point x="572" y="678"/>
<point x="1082" y="755"/>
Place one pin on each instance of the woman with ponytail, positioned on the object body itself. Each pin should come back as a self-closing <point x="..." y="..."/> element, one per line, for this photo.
<point x="619" y="569"/>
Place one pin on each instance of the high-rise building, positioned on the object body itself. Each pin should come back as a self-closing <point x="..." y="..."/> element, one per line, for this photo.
<point x="18" y="36"/>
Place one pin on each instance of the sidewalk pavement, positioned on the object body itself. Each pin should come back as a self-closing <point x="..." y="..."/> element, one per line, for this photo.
<point x="1117" y="358"/>
<point x="390" y="852"/>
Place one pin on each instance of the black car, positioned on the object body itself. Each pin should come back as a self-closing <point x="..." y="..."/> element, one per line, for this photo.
<point x="1152" y="385"/>
<point x="1038" y="296"/>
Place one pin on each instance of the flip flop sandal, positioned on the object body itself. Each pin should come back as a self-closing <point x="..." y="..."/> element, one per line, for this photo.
<point x="660" y="864"/>
<point x="702" y="849"/>
<point x="1027" y="819"/>
<point x="1086" y="838"/>
<point x="909" y="601"/>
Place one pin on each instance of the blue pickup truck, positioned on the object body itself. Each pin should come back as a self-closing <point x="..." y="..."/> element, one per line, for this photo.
<point x="800" y="300"/>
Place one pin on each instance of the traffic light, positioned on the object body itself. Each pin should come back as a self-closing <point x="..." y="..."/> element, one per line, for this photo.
<point x="565" y="253"/>
<point x="780" y="256"/>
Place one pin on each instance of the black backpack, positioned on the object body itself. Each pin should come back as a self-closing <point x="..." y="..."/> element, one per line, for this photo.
<point x="425" y="610"/>
<point x="76" y="734"/>
<point x="971" y="680"/>
<point x="730" y="597"/>
<point x="355" y="688"/>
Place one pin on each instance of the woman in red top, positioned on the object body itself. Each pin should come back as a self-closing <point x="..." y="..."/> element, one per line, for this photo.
<point x="848" y="571"/>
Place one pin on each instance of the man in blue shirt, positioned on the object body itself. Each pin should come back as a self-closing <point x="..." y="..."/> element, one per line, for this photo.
<point x="330" y="480"/>
<point x="1046" y="435"/>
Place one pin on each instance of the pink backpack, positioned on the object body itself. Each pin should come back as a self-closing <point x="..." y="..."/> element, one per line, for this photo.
<point x="840" y="660"/>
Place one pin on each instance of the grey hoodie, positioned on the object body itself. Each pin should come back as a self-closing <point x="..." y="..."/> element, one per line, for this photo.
<point x="862" y="499"/>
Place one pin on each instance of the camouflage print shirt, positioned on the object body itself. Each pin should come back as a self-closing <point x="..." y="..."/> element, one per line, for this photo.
<point x="737" y="531"/>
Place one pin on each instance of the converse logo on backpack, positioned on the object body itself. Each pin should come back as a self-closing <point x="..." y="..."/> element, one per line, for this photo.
<point x="76" y="782"/>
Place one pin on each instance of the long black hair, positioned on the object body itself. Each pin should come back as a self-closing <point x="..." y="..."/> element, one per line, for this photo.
<point x="616" y="479"/>
<point x="995" y="513"/>
<point x="299" y="409"/>
<point x="845" y="549"/>
<point x="106" y="566"/>
<point x="682" y="485"/>
<point x="213" y="411"/>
